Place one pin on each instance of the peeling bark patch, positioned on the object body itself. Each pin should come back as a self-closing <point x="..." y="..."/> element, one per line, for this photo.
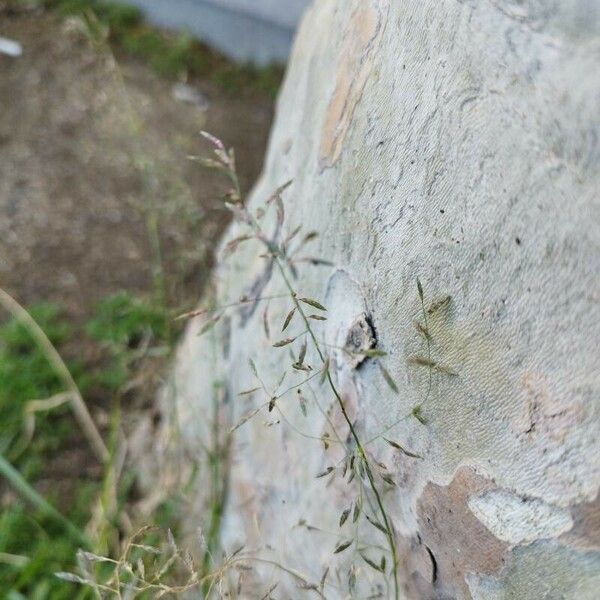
<point x="543" y="570"/>
<point x="357" y="54"/>
<point x="452" y="534"/>
<point x="586" y="530"/>
<point x="519" y="520"/>
<point x="546" y="414"/>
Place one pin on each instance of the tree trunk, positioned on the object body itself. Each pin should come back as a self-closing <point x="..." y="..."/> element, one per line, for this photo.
<point x="447" y="154"/>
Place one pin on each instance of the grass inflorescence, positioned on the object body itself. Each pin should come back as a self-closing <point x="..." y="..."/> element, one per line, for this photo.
<point x="284" y="259"/>
<point x="103" y="556"/>
<point x="285" y="255"/>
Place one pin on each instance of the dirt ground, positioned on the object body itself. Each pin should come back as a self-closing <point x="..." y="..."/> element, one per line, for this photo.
<point x="89" y="147"/>
<point x="92" y="148"/>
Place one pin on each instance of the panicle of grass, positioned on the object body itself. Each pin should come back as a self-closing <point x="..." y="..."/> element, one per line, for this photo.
<point x="277" y="255"/>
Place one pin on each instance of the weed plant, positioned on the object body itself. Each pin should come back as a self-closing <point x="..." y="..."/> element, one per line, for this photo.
<point x="150" y="564"/>
<point x="367" y="478"/>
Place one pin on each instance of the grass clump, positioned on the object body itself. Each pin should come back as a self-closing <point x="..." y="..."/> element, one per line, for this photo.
<point x="38" y="429"/>
<point x="122" y="320"/>
<point x="32" y="544"/>
<point x="25" y="375"/>
<point x="33" y="547"/>
<point x="125" y="326"/>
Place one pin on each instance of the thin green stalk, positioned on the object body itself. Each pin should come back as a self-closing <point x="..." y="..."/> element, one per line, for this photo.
<point x="386" y="521"/>
<point x="158" y="272"/>
<point x="144" y="164"/>
<point x="215" y="456"/>
<point x="384" y="515"/>
<point x="219" y="481"/>
<point x="109" y="497"/>
<point x="78" y="405"/>
<point x="16" y="480"/>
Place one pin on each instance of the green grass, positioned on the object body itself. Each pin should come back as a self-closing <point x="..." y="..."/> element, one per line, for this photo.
<point x="25" y="374"/>
<point x="171" y="55"/>
<point x="42" y="544"/>
<point x="44" y="547"/>
<point x="122" y="320"/>
<point x="120" y="325"/>
<point x="33" y="545"/>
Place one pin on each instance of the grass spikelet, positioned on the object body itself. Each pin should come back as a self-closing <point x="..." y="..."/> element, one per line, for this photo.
<point x="288" y="319"/>
<point x="376" y="524"/>
<point x="370" y="562"/>
<point x="312" y="303"/>
<point x="324" y="473"/>
<point x="422" y="330"/>
<point x="302" y="402"/>
<point x="344" y="516"/>
<point x="417" y="413"/>
<point x="191" y="314"/>
<point x="248" y="392"/>
<point x="421" y="361"/>
<point x="342" y="546"/>
<point x="436" y="306"/>
<point x="233" y="244"/>
<point x="253" y="367"/>
<point x="397" y="446"/>
<point x="357" y="510"/>
<point x="420" y="289"/>
<point x="265" y="320"/>
<point x="373" y="353"/>
<point x="209" y="324"/>
<point x="302" y="354"/>
<point x="388" y="379"/>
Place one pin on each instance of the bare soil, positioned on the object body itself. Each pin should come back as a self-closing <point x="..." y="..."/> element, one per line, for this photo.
<point x="88" y="146"/>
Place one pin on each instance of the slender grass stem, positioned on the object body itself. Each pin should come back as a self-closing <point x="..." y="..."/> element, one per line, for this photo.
<point x="16" y="480"/>
<point x="77" y="403"/>
<point x="360" y="448"/>
<point x="275" y="252"/>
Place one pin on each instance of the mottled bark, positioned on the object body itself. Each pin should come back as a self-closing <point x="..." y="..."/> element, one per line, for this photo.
<point x="456" y="142"/>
